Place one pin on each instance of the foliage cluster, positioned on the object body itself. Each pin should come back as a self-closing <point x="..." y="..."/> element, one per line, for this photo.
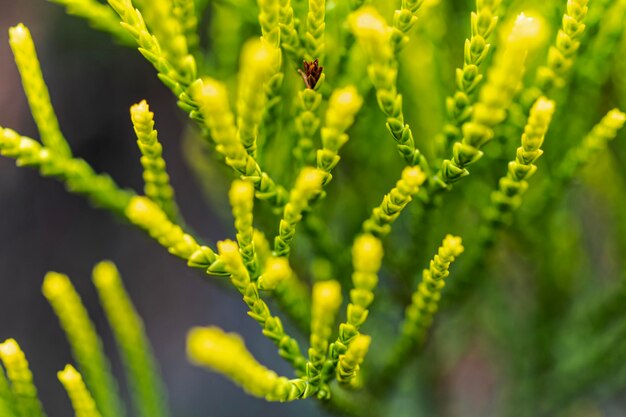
<point x="365" y="151"/>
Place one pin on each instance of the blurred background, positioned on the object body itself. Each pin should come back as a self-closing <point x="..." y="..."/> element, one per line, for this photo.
<point x="93" y="82"/>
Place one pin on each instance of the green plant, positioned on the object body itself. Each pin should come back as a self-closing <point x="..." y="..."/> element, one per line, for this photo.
<point x="304" y="243"/>
<point x="96" y="395"/>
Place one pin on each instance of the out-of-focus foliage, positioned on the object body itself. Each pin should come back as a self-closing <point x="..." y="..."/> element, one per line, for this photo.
<point x="92" y="391"/>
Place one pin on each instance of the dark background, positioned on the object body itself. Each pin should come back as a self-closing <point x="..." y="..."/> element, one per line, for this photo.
<point x="93" y="82"/>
